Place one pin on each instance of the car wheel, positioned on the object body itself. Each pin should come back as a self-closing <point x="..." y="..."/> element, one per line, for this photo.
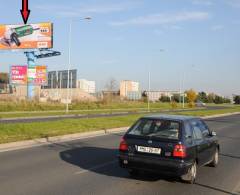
<point x="133" y="172"/>
<point x="215" y="160"/>
<point x="191" y="175"/>
<point x="15" y="39"/>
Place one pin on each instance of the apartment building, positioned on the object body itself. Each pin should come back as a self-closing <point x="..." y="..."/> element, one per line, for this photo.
<point x="128" y="87"/>
<point x="86" y="86"/>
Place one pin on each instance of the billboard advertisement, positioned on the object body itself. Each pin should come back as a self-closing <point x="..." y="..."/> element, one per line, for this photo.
<point x="59" y="79"/>
<point x="37" y="75"/>
<point x="30" y="36"/>
<point x="19" y="75"/>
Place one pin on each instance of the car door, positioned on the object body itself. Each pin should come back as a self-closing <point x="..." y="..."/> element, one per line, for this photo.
<point x="201" y="144"/>
<point x="208" y="138"/>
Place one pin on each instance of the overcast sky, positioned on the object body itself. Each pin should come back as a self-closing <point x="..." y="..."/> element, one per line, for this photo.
<point x="200" y="39"/>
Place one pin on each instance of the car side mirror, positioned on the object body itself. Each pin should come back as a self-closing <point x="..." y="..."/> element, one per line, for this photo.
<point x="213" y="133"/>
<point x="188" y="136"/>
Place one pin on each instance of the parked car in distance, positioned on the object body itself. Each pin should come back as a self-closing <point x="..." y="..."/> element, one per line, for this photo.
<point x="169" y="144"/>
<point x="200" y="104"/>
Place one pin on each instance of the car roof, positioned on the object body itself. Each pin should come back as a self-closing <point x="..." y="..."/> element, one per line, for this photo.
<point x="170" y="117"/>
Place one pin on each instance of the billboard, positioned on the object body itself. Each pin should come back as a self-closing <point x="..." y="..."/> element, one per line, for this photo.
<point x="18" y="75"/>
<point x="37" y="75"/>
<point x="22" y="75"/>
<point x="59" y="79"/>
<point x="30" y="36"/>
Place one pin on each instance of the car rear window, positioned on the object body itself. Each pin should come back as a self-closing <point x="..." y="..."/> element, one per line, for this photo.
<point x="156" y="128"/>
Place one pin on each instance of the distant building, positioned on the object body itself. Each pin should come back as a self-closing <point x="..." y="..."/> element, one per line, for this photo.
<point x="132" y="95"/>
<point x="128" y="87"/>
<point x="59" y="79"/>
<point x="156" y="95"/>
<point x="86" y="86"/>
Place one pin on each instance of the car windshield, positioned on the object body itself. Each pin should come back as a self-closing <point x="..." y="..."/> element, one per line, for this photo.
<point x="156" y="128"/>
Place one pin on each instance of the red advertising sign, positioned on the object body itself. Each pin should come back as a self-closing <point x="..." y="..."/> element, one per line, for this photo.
<point x="35" y="75"/>
<point x="19" y="75"/>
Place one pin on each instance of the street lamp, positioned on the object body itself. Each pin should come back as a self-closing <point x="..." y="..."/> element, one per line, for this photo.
<point x="149" y="82"/>
<point x="69" y="58"/>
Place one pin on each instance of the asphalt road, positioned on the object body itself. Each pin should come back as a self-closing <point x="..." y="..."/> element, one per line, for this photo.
<point x="81" y="116"/>
<point x="89" y="166"/>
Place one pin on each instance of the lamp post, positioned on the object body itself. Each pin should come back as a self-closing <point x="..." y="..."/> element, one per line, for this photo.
<point x="69" y="58"/>
<point x="149" y="82"/>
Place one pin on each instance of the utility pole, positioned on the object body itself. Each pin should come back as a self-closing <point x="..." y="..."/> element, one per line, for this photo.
<point x="149" y="88"/>
<point x="69" y="58"/>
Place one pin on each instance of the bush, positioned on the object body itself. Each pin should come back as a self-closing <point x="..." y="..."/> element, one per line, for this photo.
<point x="174" y="104"/>
<point x="164" y="99"/>
<point x="237" y="99"/>
<point x="191" y="104"/>
<point x="176" y="98"/>
<point x="221" y="100"/>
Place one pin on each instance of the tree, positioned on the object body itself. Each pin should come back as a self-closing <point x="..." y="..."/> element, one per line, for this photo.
<point x="4" y="78"/>
<point x="176" y="98"/>
<point x="237" y="99"/>
<point x="218" y="99"/>
<point x="111" y="87"/>
<point x="191" y="96"/>
<point x="202" y="96"/>
<point x="164" y="99"/>
<point x="211" y="97"/>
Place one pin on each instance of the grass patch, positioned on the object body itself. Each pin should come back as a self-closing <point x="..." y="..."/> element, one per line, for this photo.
<point x="82" y="109"/>
<point x="26" y="131"/>
<point x="37" y="106"/>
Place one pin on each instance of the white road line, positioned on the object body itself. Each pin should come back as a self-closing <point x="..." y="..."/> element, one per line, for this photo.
<point x="96" y="167"/>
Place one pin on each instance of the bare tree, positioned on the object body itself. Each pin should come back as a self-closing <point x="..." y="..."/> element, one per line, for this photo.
<point x="111" y="88"/>
<point x="111" y="85"/>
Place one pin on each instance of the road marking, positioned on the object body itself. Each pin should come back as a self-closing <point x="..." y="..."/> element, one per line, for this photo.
<point x="95" y="167"/>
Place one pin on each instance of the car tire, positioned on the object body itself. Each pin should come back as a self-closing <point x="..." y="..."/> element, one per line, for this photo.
<point x="191" y="175"/>
<point x="15" y="39"/>
<point x="133" y="172"/>
<point x="215" y="160"/>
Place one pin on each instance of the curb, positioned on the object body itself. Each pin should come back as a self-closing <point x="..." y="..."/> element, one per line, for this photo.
<point x="77" y="136"/>
<point x="57" y="139"/>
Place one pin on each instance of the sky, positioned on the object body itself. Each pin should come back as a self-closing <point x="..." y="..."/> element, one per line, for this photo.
<point x="188" y="43"/>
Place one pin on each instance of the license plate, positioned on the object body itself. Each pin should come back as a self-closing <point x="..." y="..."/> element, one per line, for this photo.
<point x="149" y="150"/>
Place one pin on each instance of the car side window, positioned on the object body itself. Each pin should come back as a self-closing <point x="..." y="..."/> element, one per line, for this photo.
<point x="146" y="127"/>
<point x="197" y="133"/>
<point x="203" y="127"/>
<point x="188" y="130"/>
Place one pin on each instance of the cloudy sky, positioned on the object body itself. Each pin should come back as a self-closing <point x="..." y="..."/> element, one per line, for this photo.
<point x="198" y="40"/>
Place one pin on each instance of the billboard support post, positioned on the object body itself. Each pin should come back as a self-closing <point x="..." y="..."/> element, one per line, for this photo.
<point x="31" y="63"/>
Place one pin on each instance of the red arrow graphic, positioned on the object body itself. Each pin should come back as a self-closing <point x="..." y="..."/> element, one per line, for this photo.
<point x="25" y="11"/>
